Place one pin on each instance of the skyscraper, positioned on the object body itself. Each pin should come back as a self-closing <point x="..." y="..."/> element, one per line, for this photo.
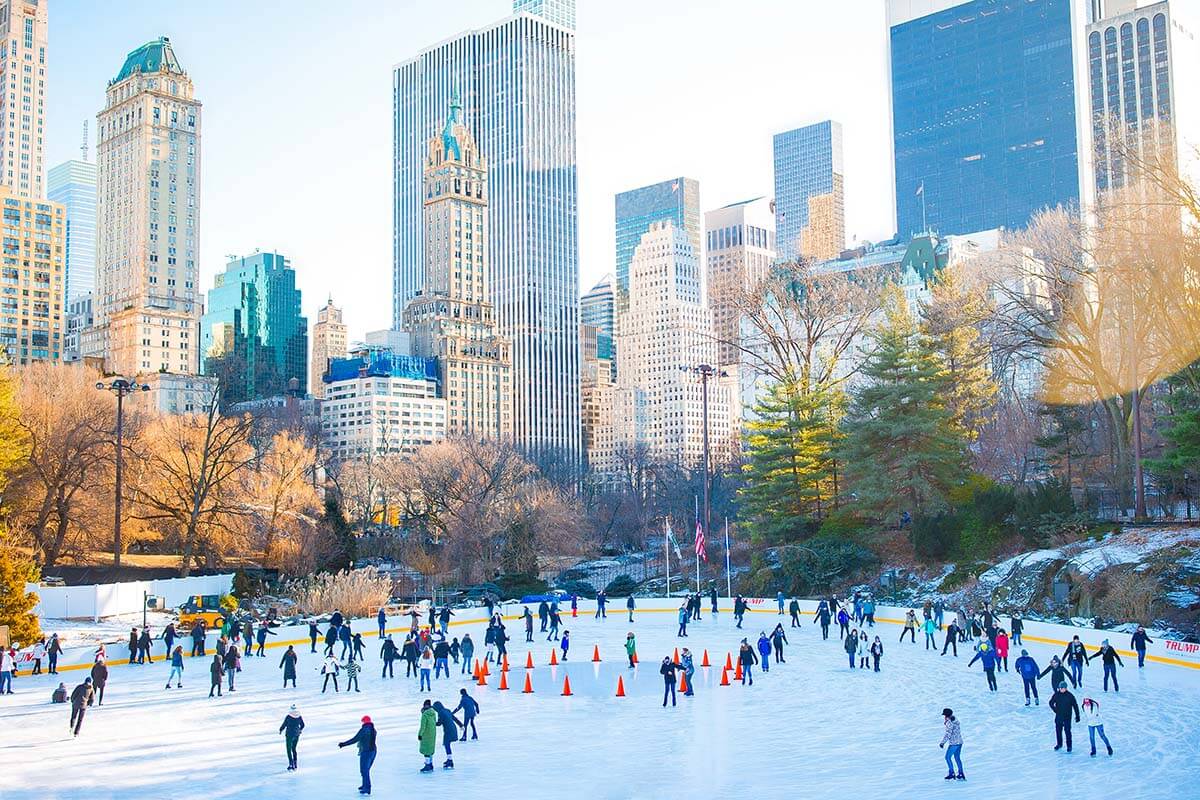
<point x="810" y="197"/>
<point x="516" y="79"/>
<point x="73" y="183"/>
<point x="32" y="309"/>
<point x="23" y="40"/>
<point x="453" y="319"/>
<point x="253" y="336"/>
<point x="597" y="307"/>
<point x="676" y="201"/>
<point x="990" y="120"/>
<point x="328" y="342"/>
<point x="561" y="12"/>
<point x="147" y="307"/>
<point x="740" y="250"/>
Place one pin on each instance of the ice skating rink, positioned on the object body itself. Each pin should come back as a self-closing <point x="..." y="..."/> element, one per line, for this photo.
<point x="810" y="728"/>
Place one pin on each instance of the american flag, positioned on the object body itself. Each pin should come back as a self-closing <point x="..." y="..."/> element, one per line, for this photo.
<point x="700" y="551"/>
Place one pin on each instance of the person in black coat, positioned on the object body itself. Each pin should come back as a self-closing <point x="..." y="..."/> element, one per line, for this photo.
<point x="331" y="637"/>
<point x="230" y="662"/>
<point x="389" y="654"/>
<point x="1138" y="642"/>
<point x="291" y="727"/>
<point x="198" y="634"/>
<point x="409" y="653"/>
<point x="81" y="698"/>
<point x="794" y="610"/>
<point x="313" y="633"/>
<point x="99" y="679"/>
<point x="667" y="670"/>
<point x="951" y="639"/>
<point x="215" y="670"/>
<point x="1058" y="673"/>
<point x="528" y="624"/>
<point x="470" y="708"/>
<point x="133" y="646"/>
<point x="288" y="664"/>
<point x="144" y="647"/>
<point x="543" y="614"/>
<point x="365" y="739"/>
<point x="1063" y="705"/>
<point x="449" y="725"/>
<point x="1109" y="656"/>
<point x="335" y="621"/>
<point x="822" y="617"/>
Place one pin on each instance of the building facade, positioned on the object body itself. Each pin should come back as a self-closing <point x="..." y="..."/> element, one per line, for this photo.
<point x="560" y="12"/>
<point x="810" y="194"/>
<point x="177" y="394"/>
<point x="328" y="342"/>
<point x="740" y="248"/>
<point x="147" y="304"/>
<point x="32" y="309"/>
<point x="676" y="201"/>
<point x="253" y="336"/>
<point x="664" y="334"/>
<point x="73" y="183"/>
<point x="79" y="319"/>
<point x="502" y="73"/>
<point x="598" y="307"/>
<point x="381" y="402"/>
<point x="453" y="318"/>
<point x="23" y="66"/>
<point x="597" y="389"/>
<point x="990" y="119"/>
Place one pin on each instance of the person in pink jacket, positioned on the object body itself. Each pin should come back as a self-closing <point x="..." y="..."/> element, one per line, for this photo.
<point x="1002" y="648"/>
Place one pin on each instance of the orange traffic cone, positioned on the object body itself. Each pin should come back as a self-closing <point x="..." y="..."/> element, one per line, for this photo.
<point x="528" y="685"/>
<point x="504" y="667"/>
<point x="675" y="656"/>
<point x="482" y="679"/>
<point x="476" y="671"/>
<point x="566" y="686"/>
<point x="503" y="681"/>
<point x="737" y="676"/>
<point x="728" y="661"/>
<point x="683" y="687"/>
<point x="704" y="661"/>
<point x="596" y="653"/>
<point x="724" y="677"/>
<point x="528" y="660"/>
<point x="574" y="612"/>
<point x="620" y="686"/>
<point x="553" y="658"/>
<point x="635" y="659"/>
<point x="485" y="669"/>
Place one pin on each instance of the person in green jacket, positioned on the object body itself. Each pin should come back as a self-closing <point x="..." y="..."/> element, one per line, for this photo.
<point x="427" y="735"/>
<point x="631" y="649"/>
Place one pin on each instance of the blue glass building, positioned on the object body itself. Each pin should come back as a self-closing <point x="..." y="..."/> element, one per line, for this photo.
<point x="676" y="201"/>
<point x="808" y="165"/>
<point x="73" y="183"/>
<point x="516" y="80"/>
<point x="253" y="336"/>
<point x="984" y="111"/>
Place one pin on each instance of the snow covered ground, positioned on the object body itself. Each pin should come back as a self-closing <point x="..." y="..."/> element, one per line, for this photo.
<point x="110" y="630"/>
<point x="809" y="728"/>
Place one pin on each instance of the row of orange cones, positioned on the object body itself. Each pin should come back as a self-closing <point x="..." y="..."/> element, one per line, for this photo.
<point x="481" y="673"/>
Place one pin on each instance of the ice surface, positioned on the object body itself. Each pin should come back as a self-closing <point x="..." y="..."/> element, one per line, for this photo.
<point x="811" y="728"/>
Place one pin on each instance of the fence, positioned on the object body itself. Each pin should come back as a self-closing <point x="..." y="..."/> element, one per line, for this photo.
<point x="110" y="599"/>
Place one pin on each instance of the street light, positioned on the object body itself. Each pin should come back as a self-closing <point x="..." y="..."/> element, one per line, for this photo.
<point x="705" y="371"/>
<point x="120" y="387"/>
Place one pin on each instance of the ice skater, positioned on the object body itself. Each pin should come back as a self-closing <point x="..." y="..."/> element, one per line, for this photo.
<point x="1110" y="659"/>
<point x="822" y="617"/>
<point x="352" y="668"/>
<point x="426" y="670"/>
<point x="470" y="708"/>
<point x="528" y="617"/>
<point x="441" y="658"/>
<point x="951" y="641"/>
<point x="667" y="670"/>
<point x="230" y="661"/>
<point x="1058" y="673"/>
<point x="952" y="741"/>
<point x="288" y="665"/>
<point x="565" y="644"/>
<point x="291" y="727"/>
<point x="1016" y="625"/>
<point x="748" y="659"/>
<point x="684" y="615"/>
<point x="778" y="640"/>
<point x="1027" y="668"/>
<point x="99" y="681"/>
<point x="1076" y="656"/>
<point x="794" y="611"/>
<point x="689" y="668"/>
<point x="843" y="621"/>
<point x="850" y="645"/>
<point x="216" y="671"/>
<point x="739" y="610"/>
<point x="601" y="602"/>
<point x="388" y="653"/>
<point x="764" y="651"/>
<point x="929" y="627"/>
<point x="1091" y="715"/>
<point x="712" y="596"/>
<point x="1063" y="705"/>
<point x="449" y="725"/>
<point x="54" y="650"/>
<point x="176" y="672"/>
<point x="330" y="669"/>
<point x="987" y="657"/>
<point x="1002" y="648"/>
<point x="1138" y="642"/>
<point x="366" y="741"/>
<point x="427" y="735"/>
<point x="910" y="627"/>
<point x="631" y="649"/>
<point x="81" y="698"/>
<point x="630" y="605"/>
<point x="864" y="645"/>
<point x="468" y="652"/>
<point x="144" y="642"/>
<point x="876" y="652"/>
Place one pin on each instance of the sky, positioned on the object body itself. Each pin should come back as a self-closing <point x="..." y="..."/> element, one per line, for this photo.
<point x="297" y="116"/>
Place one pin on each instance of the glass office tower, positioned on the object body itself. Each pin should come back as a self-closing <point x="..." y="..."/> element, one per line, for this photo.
<point x="676" y="201"/>
<point x="810" y="199"/>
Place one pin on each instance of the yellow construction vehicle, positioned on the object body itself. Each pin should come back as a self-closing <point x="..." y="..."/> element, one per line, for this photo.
<point x="198" y="607"/>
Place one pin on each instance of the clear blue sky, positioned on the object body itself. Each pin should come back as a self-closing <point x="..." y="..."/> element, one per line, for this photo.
<point x="297" y="112"/>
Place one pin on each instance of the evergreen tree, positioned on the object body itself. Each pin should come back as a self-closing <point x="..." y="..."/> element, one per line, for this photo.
<point x="16" y="604"/>
<point x="1180" y="461"/>
<point x="903" y="450"/>
<point x="343" y="546"/>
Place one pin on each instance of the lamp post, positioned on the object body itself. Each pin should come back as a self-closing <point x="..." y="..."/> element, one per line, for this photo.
<point x="705" y="371"/>
<point x="120" y="387"/>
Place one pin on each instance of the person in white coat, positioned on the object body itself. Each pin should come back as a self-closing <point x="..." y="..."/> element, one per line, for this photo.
<point x="330" y="669"/>
<point x="864" y="648"/>
<point x="1095" y="723"/>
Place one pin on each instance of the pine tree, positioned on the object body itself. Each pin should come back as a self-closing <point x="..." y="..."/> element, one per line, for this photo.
<point x="903" y="450"/>
<point x="16" y="604"/>
<point x="1180" y="462"/>
<point x="343" y="547"/>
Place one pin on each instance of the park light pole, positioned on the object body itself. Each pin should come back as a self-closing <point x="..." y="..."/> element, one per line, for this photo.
<point x="120" y="387"/>
<point x="705" y="371"/>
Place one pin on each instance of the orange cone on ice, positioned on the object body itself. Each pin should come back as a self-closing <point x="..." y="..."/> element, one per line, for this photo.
<point x="528" y="685"/>
<point x="503" y="681"/>
<point x="737" y="676"/>
<point x="553" y="658"/>
<point x="704" y="661"/>
<point x="528" y="660"/>
<point x="728" y="661"/>
<point x="620" y="686"/>
<point x="566" y="686"/>
<point x="635" y="658"/>
<point x="504" y="667"/>
<point x="675" y="656"/>
<point x="596" y="653"/>
<point x="683" y="686"/>
<point x="485" y="669"/>
<point x="476" y="671"/>
<point x="482" y="679"/>
<point x="724" y="677"/>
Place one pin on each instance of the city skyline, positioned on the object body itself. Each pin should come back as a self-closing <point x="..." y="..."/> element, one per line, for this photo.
<point x="352" y="149"/>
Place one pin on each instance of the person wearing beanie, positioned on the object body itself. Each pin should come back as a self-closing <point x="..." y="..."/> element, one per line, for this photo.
<point x="1063" y="705"/>
<point x="1109" y="656"/>
<point x="291" y="727"/>
<point x="952" y="737"/>
<point x="60" y="694"/>
<point x="81" y="698"/>
<point x="1027" y="668"/>
<point x="365" y="740"/>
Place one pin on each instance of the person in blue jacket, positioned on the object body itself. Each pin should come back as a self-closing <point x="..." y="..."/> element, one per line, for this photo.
<point x="684" y="616"/>
<point x="449" y="725"/>
<point x="381" y="618"/>
<point x="1138" y="642"/>
<point x="987" y="656"/>
<point x="470" y="708"/>
<point x="565" y="644"/>
<point x="1027" y="668"/>
<point x="764" y="651"/>
<point x="263" y="633"/>
<point x="780" y="600"/>
<point x="689" y="669"/>
<point x="176" y="667"/>
<point x="468" y="652"/>
<point x="346" y="637"/>
<point x="365" y="739"/>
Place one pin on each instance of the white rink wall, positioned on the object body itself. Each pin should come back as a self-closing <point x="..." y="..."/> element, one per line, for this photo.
<point x="110" y="599"/>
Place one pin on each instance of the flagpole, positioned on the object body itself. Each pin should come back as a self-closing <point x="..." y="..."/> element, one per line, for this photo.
<point x="667" y="553"/>
<point x="728" y="576"/>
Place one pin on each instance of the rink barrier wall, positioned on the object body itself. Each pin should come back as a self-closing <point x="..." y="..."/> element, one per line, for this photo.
<point x="1182" y="654"/>
<point x="110" y="599"/>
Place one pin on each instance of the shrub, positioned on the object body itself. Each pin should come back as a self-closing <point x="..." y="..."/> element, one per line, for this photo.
<point x="358" y="593"/>
<point x="842" y="524"/>
<point x="817" y="565"/>
<point x="1127" y="596"/>
<point x="520" y="585"/>
<point x="228" y="603"/>
<point x="16" y="604"/>
<point x="935" y="536"/>
<point x="1041" y="507"/>
<point x="992" y="505"/>
<point x="578" y="587"/>
<point x="621" y="586"/>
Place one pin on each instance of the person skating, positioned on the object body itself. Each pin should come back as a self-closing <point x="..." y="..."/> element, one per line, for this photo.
<point x="1058" y="673"/>
<point x="1110" y="658"/>
<point x="1002" y="648"/>
<point x="54" y="649"/>
<point x="543" y="615"/>
<point x="910" y="626"/>
<point x="1095" y="723"/>
<point x="470" y="708"/>
<point x="1027" y="668"/>
<point x="1017" y="626"/>
<point x="330" y="669"/>
<point x="352" y="669"/>
<point x="359" y="648"/>
<point x="81" y="698"/>
<point x="794" y="611"/>
<point x="288" y="664"/>
<point x="1063" y="704"/>
<point x="869" y="611"/>
<point x="444" y="618"/>
<point x="864" y="645"/>
<point x="764" y="651"/>
<point x="739" y="610"/>
<point x="144" y="642"/>
<point x="198" y="633"/>
<point x="426" y="669"/>
<point x="291" y="727"/>
<point x="528" y="618"/>
<point x="876" y="652"/>
<point x="630" y="605"/>
<point x="176" y="659"/>
<point x="99" y="681"/>
<point x="388" y="653"/>
<point x="1138" y="642"/>
<point x="850" y="645"/>
<point x="929" y="627"/>
<point x="365" y="740"/>
<point x="565" y="644"/>
<point x="501" y="638"/>
<point x="778" y="640"/>
<point x="264" y="631"/>
<point x="427" y="735"/>
<point x="939" y="612"/>
<point x="313" y="634"/>
<point x="780" y="600"/>
<point x="331" y="638"/>
<point x="248" y="634"/>
<point x="987" y="657"/>
<point x="712" y="596"/>
<point x="748" y="659"/>
<point x="601" y="602"/>
<point x="216" y="671"/>
<point x="951" y="640"/>
<point x="230" y="663"/>
<point x="346" y="640"/>
<point x="1076" y="656"/>
<point x="952" y="741"/>
<point x="689" y="668"/>
<point x="133" y="646"/>
<point x="381" y="621"/>
<point x="441" y="658"/>
<point x="667" y="670"/>
<point x="822" y="617"/>
<point x="555" y="621"/>
<point x="843" y="621"/>
<point x="631" y="649"/>
<point x="468" y="652"/>
<point x="684" y="615"/>
<point x="455" y="651"/>
<point x="60" y="694"/>
<point x="8" y="665"/>
<point x="449" y="725"/>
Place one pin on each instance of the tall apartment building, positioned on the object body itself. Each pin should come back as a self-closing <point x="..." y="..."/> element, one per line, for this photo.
<point x="73" y="183"/>
<point x="253" y="337"/>
<point x="810" y="194"/>
<point x="32" y="309"/>
<point x="516" y="80"/>
<point x="453" y="318"/>
<point x="147" y="305"/>
<point x="667" y="329"/>
<point x="676" y="201"/>
<point x="597" y="391"/>
<point x="328" y="342"/>
<point x="990" y="117"/>
<point x="1136" y="88"/>
<point x="741" y="244"/>
<point x="23" y="41"/>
